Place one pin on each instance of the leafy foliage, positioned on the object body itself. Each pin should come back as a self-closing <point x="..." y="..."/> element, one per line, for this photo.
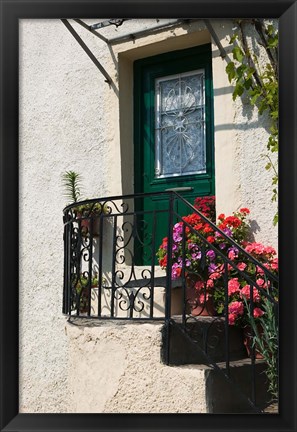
<point x="266" y="342"/>
<point x="72" y="184"/>
<point x="82" y="287"/>
<point x="259" y="83"/>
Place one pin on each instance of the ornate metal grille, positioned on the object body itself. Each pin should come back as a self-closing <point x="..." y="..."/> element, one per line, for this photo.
<point x="180" y="124"/>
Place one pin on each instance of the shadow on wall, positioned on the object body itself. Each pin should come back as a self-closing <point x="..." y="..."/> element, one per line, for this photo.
<point x="255" y="228"/>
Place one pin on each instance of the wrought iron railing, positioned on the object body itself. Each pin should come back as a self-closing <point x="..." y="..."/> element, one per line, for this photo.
<point x="111" y="272"/>
<point x="110" y="258"/>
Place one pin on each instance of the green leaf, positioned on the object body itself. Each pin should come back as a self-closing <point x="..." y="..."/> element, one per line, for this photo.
<point x="240" y="70"/>
<point x="255" y="98"/>
<point x="248" y="83"/>
<point x="275" y="219"/>
<point x="230" y="69"/>
<point x="238" y="91"/>
<point x="274" y="115"/>
<point x="273" y="42"/>
<point x="233" y="38"/>
<point x="250" y="72"/>
<point x="237" y="54"/>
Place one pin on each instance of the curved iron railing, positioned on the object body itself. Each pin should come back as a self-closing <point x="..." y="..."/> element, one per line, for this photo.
<point x="110" y="258"/>
<point x="111" y="272"/>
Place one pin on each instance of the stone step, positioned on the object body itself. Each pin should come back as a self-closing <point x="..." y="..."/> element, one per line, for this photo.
<point x="201" y="344"/>
<point x="200" y="335"/>
<point x="231" y="396"/>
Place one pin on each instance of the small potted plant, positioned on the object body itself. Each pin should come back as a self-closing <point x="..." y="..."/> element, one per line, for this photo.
<point x="88" y="213"/>
<point x="82" y="292"/>
<point x="199" y="290"/>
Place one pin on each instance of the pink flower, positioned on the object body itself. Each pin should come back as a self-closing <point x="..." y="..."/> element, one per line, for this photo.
<point x="175" y="271"/>
<point x="203" y="298"/>
<point x="232" y="318"/>
<point x="270" y="250"/>
<point x="215" y="275"/>
<point x="258" y="312"/>
<point x="233" y="286"/>
<point x="260" y="271"/>
<point x="274" y="264"/>
<point x="199" y="285"/>
<point x="231" y="255"/>
<point x="241" y="266"/>
<point x="236" y="308"/>
<point x="215" y="271"/>
<point x="261" y="283"/>
<point x="210" y="283"/>
<point x="256" y="248"/>
<point x="177" y="232"/>
<point x="245" y="292"/>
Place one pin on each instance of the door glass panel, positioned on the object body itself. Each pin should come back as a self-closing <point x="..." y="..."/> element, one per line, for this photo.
<point x="180" y="125"/>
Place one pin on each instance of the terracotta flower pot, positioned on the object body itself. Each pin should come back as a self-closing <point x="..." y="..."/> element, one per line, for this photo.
<point x="86" y="227"/>
<point x="198" y="304"/>
<point x="248" y="341"/>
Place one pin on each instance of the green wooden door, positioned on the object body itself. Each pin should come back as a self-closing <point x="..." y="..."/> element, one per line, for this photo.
<point x="173" y="128"/>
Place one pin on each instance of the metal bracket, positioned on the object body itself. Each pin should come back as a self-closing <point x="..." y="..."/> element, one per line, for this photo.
<point x="210" y="28"/>
<point x="87" y="51"/>
<point x="87" y="27"/>
<point x="116" y="22"/>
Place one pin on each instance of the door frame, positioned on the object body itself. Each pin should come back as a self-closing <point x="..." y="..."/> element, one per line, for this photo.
<point x="203" y="55"/>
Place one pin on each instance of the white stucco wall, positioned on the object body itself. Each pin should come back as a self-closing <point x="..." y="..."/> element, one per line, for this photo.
<point x="118" y="370"/>
<point x="70" y="119"/>
<point x="241" y="137"/>
<point x="60" y="110"/>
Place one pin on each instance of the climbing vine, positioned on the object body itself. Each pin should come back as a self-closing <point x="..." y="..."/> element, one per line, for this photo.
<point x="258" y="81"/>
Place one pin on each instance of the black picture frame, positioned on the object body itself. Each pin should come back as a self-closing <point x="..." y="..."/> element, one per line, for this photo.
<point x="11" y="12"/>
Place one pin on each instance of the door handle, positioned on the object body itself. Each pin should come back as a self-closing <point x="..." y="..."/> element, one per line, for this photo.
<point x="180" y="189"/>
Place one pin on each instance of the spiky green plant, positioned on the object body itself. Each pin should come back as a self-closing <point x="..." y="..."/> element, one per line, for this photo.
<point x="266" y="342"/>
<point x="72" y="184"/>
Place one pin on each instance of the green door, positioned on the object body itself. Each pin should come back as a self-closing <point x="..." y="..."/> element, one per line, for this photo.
<point x="173" y="129"/>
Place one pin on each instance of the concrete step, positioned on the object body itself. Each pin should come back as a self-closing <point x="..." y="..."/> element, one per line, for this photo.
<point x="231" y="395"/>
<point x="203" y="335"/>
<point x="201" y="344"/>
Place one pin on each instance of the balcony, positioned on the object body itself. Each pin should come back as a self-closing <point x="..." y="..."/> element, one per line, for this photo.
<point x="112" y="271"/>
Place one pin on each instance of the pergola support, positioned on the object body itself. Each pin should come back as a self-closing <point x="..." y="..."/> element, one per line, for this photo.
<point x="87" y="51"/>
<point x="119" y="22"/>
<point x="211" y="30"/>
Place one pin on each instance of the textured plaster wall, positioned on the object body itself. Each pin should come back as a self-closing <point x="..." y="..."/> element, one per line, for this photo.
<point x="241" y="137"/>
<point x="61" y="127"/>
<point x="116" y="368"/>
<point x="71" y="119"/>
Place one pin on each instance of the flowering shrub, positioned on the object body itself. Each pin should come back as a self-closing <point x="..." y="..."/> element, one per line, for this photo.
<point x="206" y="205"/>
<point x="203" y="256"/>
